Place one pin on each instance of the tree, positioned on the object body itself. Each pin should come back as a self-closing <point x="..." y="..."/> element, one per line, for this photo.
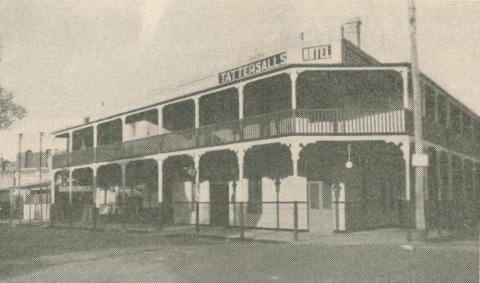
<point x="9" y="110"/>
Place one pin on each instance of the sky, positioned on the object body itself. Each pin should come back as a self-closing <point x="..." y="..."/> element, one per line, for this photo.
<point x="66" y="60"/>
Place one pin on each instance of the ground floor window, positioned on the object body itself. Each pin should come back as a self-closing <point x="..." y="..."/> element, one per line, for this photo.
<point x="38" y="197"/>
<point x="314" y="195"/>
<point x="255" y="196"/>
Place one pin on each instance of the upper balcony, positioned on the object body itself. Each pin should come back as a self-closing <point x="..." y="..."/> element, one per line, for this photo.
<point x="322" y="101"/>
<point x="327" y="122"/>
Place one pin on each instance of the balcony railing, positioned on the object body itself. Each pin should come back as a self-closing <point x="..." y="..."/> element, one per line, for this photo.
<point x="81" y="157"/>
<point x="141" y="147"/>
<point x="293" y="122"/>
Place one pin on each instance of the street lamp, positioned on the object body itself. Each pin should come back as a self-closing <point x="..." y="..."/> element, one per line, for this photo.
<point x="349" y="163"/>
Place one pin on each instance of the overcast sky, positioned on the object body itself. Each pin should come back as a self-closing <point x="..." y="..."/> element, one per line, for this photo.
<point x="63" y="60"/>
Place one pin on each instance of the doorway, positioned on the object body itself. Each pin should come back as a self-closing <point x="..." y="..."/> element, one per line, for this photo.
<point x="320" y="207"/>
<point x="219" y="209"/>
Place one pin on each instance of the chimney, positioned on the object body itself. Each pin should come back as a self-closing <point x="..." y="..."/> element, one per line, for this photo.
<point x="86" y="120"/>
<point x="357" y="23"/>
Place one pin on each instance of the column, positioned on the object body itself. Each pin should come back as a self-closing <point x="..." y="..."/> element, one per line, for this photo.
<point x="240" y="110"/>
<point x="70" y="141"/>
<point x="94" y="185"/>
<point x="439" y="177"/>
<point x="242" y="189"/>
<point x="124" y="177"/>
<point x="436" y="105"/>
<point x="70" y="185"/>
<point x="52" y="184"/>
<point x="160" y="120"/>
<point x="240" y="101"/>
<point x="406" y="100"/>
<point x="451" y="206"/>
<point x="160" y="178"/>
<point x="197" y="113"/>
<point x="124" y="128"/>
<point x="196" y="184"/>
<point x="440" y="185"/>
<point x="95" y="135"/>
<point x="295" y="149"/>
<point x="293" y="77"/>
<point x="95" y="142"/>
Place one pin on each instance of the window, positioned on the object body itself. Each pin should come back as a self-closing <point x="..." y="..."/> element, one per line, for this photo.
<point x="28" y="159"/>
<point x="219" y="107"/>
<point x="109" y="132"/>
<point x="314" y="196"/>
<point x="179" y="116"/>
<point x="429" y="103"/>
<point x="477" y="131"/>
<point x="255" y="196"/>
<point x="467" y="125"/>
<point x="456" y="118"/>
<point x="349" y="89"/>
<point x="268" y="95"/>
<point x="82" y="139"/>
<point x="327" y="197"/>
<point x="442" y="109"/>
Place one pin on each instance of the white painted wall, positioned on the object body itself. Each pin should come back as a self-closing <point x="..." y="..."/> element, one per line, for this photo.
<point x="140" y="129"/>
<point x="36" y="212"/>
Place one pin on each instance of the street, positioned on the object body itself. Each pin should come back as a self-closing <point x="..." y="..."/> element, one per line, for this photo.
<point x="109" y="256"/>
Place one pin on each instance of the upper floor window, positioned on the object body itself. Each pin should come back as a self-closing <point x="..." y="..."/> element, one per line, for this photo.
<point x="219" y="107"/>
<point x="273" y="94"/>
<point x="82" y="139"/>
<point x="429" y="103"/>
<point x="477" y="131"/>
<point x="456" y="118"/>
<point x="467" y="125"/>
<point x="442" y="109"/>
<point x="28" y="159"/>
<point x="109" y="132"/>
<point x="179" y="116"/>
<point x="349" y="89"/>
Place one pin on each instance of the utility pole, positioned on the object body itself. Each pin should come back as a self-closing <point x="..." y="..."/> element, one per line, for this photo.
<point x="419" y="159"/>
<point x="40" y="158"/>
<point x="19" y="159"/>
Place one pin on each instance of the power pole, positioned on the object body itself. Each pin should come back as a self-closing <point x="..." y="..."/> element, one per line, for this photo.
<point x="40" y="158"/>
<point x="19" y="165"/>
<point x="419" y="159"/>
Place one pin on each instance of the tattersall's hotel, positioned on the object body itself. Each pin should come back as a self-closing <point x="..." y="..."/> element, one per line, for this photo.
<point x="325" y="126"/>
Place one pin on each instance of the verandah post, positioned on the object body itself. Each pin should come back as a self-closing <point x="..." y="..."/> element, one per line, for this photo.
<point x="242" y="221"/>
<point x="295" y="221"/>
<point x="197" y="217"/>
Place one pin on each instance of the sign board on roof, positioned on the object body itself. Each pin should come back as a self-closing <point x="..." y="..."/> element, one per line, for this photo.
<point x="316" y="52"/>
<point x="251" y="69"/>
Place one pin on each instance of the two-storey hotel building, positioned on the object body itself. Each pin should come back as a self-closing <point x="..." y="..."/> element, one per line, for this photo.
<point x="323" y="126"/>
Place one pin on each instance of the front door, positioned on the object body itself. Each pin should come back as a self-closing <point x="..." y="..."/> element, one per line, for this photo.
<point x="219" y="204"/>
<point x="320" y="207"/>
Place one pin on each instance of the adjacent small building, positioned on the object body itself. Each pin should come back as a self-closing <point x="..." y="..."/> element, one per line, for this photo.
<point x="25" y="187"/>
